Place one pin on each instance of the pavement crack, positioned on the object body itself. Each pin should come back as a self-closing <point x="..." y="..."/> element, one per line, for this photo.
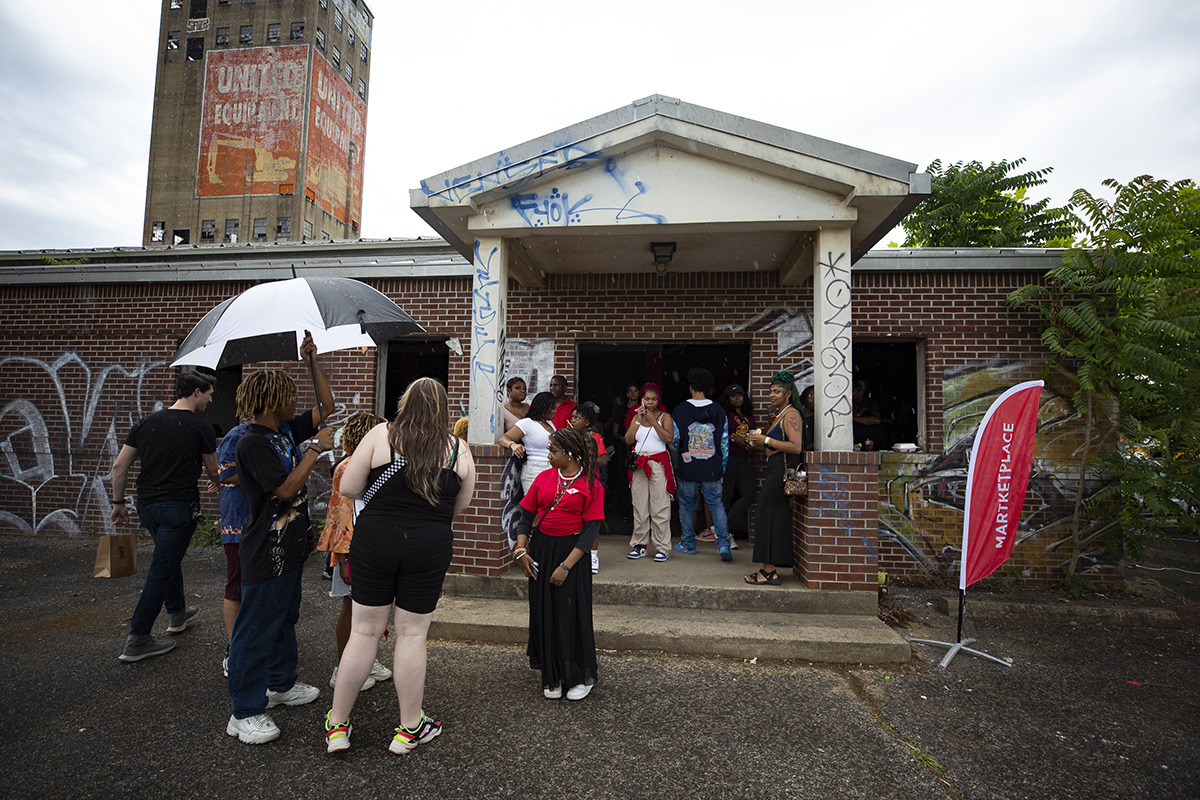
<point x="914" y="748"/>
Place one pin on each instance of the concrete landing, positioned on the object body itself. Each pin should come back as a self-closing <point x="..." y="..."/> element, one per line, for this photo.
<point x="695" y="605"/>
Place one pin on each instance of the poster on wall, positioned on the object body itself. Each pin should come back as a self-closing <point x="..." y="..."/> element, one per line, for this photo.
<point x="531" y="359"/>
<point x="252" y="121"/>
<point x="336" y="132"/>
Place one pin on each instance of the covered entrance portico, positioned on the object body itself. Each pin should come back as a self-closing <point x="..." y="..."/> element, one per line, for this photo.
<point x="667" y="188"/>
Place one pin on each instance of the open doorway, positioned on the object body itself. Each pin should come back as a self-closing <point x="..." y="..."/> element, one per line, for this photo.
<point x="604" y="370"/>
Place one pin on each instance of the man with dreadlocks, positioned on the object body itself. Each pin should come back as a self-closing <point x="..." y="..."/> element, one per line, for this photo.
<point x="276" y="540"/>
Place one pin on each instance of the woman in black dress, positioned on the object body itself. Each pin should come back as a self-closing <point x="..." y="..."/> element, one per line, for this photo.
<point x="560" y="519"/>
<point x="414" y="478"/>
<point x="783" y="440"/>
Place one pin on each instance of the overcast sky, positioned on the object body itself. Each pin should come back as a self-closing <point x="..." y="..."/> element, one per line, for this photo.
<point x="1097" y="89"/>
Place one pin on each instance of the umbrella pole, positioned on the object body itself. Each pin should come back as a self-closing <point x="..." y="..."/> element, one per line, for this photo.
<point x="312" y="369"/>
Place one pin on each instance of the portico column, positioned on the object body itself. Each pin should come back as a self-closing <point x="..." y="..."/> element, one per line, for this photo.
<point x="834" y="404"/>
<point x="489" y="295"/>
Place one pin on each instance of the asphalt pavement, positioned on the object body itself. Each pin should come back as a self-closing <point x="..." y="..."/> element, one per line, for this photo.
<point x="1107" y="707"/>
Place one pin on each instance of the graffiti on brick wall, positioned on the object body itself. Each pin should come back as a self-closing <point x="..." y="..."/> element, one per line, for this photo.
<point x="922" y="496"/>
<point x="64" y="448"/>
<point x="59" y="441"/>
<point x="793" y="332"/>
<point x="487" y="334"/>
<point x="831" y="504"/>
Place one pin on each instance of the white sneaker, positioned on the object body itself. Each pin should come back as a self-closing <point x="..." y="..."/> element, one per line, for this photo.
<point x="578" y="692"/>
<point x="298" y="695"/>
<point x="595" y="562"/>
<point x="253" y="730"/>
<point x="553" y="694"/>
<point x="380" y="673"/>
<point x="367" y="684"/>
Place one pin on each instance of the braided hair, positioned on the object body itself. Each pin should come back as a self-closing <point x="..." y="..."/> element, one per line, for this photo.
<point x="356" y="427"/>
<point x="262" y="391"/>
<point x="581" y="446"/>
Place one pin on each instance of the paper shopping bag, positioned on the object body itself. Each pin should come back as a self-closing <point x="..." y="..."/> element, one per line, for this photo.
<point x="116" y="556"/>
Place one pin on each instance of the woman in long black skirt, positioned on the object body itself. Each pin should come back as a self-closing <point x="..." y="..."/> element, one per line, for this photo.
<point x="784" y="442"/>
<point x="560" y="519"/>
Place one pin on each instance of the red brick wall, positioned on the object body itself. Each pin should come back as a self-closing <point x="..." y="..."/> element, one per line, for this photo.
<point x="836" y="542"/>
<point x="125" y="334"/>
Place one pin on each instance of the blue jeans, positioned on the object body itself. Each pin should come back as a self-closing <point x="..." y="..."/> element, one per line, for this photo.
<point x="171" y="524"/>
<point x="686" y="492"/>
<point x="262" y="652"/>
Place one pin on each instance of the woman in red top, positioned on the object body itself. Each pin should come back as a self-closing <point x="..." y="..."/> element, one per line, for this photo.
<point x="560" y="518"/>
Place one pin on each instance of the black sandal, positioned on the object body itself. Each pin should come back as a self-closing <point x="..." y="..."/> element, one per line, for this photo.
<point x="768" y="578"/>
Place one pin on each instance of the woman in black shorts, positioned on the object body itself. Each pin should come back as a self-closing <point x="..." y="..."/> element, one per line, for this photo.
<point x="414" y="477"/>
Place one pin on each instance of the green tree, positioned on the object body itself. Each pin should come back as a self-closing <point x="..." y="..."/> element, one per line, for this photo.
<point x="971" y="205"/>
<point x="1123" y="312"/>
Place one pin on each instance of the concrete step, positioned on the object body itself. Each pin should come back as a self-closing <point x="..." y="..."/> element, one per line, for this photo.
<point x="672" y="590"/>
<point x="826" y="638"/>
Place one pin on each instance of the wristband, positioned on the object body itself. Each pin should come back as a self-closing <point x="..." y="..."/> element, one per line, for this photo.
<point x="318" y="450"/>
<point x="767" y="442"/>
<point x="520" y="553"/>
<point x="565" y="567"/>
<point x="119" y="501"/>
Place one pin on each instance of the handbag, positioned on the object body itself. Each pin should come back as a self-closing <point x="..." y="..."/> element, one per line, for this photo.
<point x="631" y="459"/>
<point x="116" y="556"/>
<point x="795" y="481"/>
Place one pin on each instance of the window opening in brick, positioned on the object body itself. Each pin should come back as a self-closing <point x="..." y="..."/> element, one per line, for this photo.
<point x="308" y="230"/>
<point x="320" y="39"/>
<point x="208" y="230"/>
<point x="337" y="19"/>
<point x="246" y="34"/>
<point x="348" y="73"/>
<point x="297" y="31"/>
<point x="157" y="230"/>
<point x="324" y="4"/>
<point x="198" y="9"/>
<point x="362" y="88"/>
<point x="231" y="230"/>
<point x="325" y="237"/>
<point x="408" y="360"/>
<point x="337" y="57"/>
<point x="260" y="227"/>
<point x="273" y="32"/>
<point x="283" y="227"/>
<point x="181" y="236"/>
<point x="222" y="35"/>
<point x="892" y="375"/>
<point x="172" y="40"/>
<point x="362" y="52"/>
<point x="176" y="5"/>
<point x="350" y="37"/>
<point x="195" y="48"/>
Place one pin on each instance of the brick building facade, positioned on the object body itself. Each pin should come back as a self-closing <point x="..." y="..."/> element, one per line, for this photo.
<point x="85" y="350"/>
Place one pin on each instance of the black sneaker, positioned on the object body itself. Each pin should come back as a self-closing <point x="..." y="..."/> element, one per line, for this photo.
<point x="179" y="621"/>
<point x="147" y="649"/>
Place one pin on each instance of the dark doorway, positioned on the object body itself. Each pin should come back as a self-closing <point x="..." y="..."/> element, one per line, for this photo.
<point x="604" y="370"/>
<point x="408" y="360"/>
<point x="890" y="370"/>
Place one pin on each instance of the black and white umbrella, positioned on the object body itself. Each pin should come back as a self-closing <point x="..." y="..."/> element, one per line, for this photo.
<point x="267" y="322"/>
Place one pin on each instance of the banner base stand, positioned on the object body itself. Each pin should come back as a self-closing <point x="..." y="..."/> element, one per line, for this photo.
<point x="955" y="648"/>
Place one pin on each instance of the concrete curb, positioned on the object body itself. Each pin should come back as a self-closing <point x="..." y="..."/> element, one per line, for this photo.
<point x="1064" y="613"/>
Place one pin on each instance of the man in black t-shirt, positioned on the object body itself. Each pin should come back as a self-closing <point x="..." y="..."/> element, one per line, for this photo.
<point x="276" y="540"/>
<point x="172" y="445"/>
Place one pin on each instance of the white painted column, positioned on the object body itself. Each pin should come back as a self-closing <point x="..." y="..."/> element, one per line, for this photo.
<point x="832" y="340"/>
<point x="489" y="300"/>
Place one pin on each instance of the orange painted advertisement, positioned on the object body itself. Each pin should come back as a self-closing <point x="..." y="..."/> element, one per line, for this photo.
<point x="252" y="128"/>
<point x="337" y="120"/>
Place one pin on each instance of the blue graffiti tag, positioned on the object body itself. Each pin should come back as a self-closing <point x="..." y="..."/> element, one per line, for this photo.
<point x="832" y="504"/>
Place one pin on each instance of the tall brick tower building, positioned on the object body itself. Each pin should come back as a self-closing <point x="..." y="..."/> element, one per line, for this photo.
<point x="260" y="110"/>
